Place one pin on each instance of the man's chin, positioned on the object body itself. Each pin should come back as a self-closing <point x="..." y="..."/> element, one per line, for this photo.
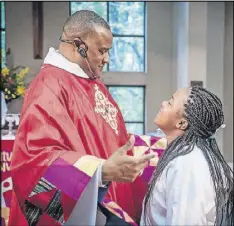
<point x="93" y="75"/>
<point x="98" y="74"/>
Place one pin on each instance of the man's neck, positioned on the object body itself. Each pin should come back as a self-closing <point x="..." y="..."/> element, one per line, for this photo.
<point x="63" y="51"/>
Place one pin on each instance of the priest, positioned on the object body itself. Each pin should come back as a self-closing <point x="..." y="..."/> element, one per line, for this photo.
<point x="72" y="156"/>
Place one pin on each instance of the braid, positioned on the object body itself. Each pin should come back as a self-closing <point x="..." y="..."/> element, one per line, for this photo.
<point x="204" y="114"/>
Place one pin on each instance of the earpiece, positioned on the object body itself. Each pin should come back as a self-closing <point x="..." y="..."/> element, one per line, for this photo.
<point x="81" y="50"/>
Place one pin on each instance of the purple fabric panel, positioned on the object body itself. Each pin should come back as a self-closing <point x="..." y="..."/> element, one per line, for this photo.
<point x="105" y="200"/>
<point x="139" y="141"/>
<point x="147" y="173"/>
<point x="67" y="178"/>
<point x="159" y="151"/>
<point x="153" y="140"/>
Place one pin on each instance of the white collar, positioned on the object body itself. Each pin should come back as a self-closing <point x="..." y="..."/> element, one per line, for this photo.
<point x="56" y="59"/>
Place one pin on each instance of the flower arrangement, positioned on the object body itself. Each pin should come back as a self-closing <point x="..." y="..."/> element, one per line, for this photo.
<point x="12" y="82"/>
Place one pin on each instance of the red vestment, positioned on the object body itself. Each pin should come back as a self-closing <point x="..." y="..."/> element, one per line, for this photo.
<point x="69" y="125"/>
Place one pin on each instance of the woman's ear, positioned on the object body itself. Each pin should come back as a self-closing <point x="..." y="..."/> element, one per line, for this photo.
<point x="182" y="124"/>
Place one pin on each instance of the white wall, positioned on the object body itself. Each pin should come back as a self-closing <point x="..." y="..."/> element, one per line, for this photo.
<point x="19" y="30"/>
<point x="159" y="57"/>
<point x="215" y="54"/>
<point x="228" y="82"/>
<point x="161" y="67"/>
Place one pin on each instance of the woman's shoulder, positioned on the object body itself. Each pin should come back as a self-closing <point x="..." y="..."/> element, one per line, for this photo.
<point x="194" y="161"/>
<point x="194" y="168"/>
<point x="195" y="155"/>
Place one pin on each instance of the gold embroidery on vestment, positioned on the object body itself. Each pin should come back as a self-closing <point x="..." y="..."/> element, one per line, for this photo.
<point x="106" y="109"/>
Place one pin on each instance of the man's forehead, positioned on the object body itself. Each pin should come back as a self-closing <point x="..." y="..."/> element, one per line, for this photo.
<point x="103" y="38"/>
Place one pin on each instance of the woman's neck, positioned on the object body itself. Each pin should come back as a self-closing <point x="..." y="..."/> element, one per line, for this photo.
<point x="173" y="135"/>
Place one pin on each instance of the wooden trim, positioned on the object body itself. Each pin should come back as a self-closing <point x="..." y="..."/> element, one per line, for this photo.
<point x="37" y="10"/>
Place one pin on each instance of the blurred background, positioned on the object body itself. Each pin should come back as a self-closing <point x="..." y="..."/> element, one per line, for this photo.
<point x="158" y="47"/>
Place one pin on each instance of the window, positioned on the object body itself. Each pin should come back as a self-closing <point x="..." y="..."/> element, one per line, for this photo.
<point x="127" y="21"/>
<point x="3" y="36"/>
<point x="131" y="101"/>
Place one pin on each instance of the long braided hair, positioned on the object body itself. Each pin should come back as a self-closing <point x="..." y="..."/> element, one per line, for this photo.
<point x="204" y="114"/>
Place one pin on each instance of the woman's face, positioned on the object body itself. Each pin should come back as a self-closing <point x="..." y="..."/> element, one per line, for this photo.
<point x="171" y="114"/>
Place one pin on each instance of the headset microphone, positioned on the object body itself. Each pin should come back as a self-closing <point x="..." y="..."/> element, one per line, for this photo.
<point x="93" y="75"/>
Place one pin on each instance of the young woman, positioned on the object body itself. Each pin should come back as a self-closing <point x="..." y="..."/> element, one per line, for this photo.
<point x="193" y="184"/>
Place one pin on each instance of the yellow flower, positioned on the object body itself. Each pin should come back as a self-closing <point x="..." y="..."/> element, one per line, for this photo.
<point x="5" y="89"/>
<point x="22" y="73"/>
<point x="9" y="92"/>
<point x="5" y="71"/>
<point x="26" y="70"/>
<point x="13" y="95"/>
<point x="20" y="90"/>
<point x="6" y="97"/>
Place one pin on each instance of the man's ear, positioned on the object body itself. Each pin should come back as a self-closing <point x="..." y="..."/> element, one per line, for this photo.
<point x="182" y="124"/>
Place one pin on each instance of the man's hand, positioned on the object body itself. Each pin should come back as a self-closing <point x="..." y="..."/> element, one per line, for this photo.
<point x="122" y="167"/>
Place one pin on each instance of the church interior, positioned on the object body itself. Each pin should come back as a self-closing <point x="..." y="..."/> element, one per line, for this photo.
<point x="158" y="47"/>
